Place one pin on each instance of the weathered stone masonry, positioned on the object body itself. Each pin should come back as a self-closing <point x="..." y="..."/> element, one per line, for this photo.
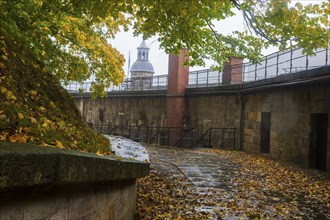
<point x="286" y="116"/>
<point x="119" y="111"/>
<point x="291" y="111"/>
<point x="46" y="183"/>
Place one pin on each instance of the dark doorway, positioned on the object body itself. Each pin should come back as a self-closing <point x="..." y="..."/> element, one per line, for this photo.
<point x="101" y="115"/>
<point x="265" y="132"/>
<point x="318" y="141"/>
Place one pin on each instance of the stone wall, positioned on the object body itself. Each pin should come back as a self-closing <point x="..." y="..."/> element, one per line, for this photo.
<point x="115" y="200"/>
<point x="290" y="125"/>
<point x="213" y="111"/>
<point x="124" y="111"/>
<point x="292" y="103"/>
<point x="46" y="183"/>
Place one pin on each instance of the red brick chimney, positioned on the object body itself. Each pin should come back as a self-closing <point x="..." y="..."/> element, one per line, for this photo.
<point x="177" y="82"/>
<point x="233" y="71"/>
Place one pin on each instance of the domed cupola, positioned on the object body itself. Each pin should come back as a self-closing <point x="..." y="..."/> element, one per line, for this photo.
<point x="142" y="67"/>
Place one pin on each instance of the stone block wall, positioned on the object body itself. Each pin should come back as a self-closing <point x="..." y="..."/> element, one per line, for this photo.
<point x="46" y="183"/>
<point x="213" y="111"/>
<point x="115" y="200"/>
<point x="124" y="111"/>
<point x="290" y="100"/>
<point x="290" y="126"/>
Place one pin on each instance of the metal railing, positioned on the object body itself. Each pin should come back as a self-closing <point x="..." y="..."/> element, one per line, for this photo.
<point x="286" y="62"/>
<point x="275" y="64"/>
<point x="129" y="84"/>
<point x="279" y="63"/>
<point x="224" y="138"/>
<point x="204" y="78"/>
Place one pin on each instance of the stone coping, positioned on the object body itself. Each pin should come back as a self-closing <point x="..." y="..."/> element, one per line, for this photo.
<point x="25" y="165"/>
<point x="128" y="93"/>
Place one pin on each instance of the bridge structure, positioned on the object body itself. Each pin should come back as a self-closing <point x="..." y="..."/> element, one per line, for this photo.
<point x="275" y="64"/>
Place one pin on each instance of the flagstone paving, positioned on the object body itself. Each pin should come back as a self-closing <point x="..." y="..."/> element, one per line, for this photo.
<point x="202" y="168"/>
<point x="233" y="185"/>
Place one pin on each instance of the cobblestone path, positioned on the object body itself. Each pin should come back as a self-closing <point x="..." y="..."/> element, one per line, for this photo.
<point x="203" y="169"/>
<point x="234" y="185"/>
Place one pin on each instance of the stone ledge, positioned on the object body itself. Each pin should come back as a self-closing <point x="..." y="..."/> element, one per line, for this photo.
<point x="161" y="92"/>
<point x="25" y="165"/>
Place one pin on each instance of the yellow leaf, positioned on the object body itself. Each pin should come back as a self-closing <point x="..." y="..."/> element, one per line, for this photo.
<point x="33" y="120"/>
<point x="3" y="89"/>
<point x="20" y="116"/>
<point x="10" y="95"/>
<point x="2" y="66"/>
<point x="99" y="153"/>
<point x="4" y="57"/>
<point x="23" y="138"/>
<point x="33" y="92"/>
<point x="58" y="144"/>
<point x="26" y="130"/>
<point x="35" y="65"/>
<point x="3" y="135"/>
<point x="3" y="116"/>
<point x="42" y="108"/>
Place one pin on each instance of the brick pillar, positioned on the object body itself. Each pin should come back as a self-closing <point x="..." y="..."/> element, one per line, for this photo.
<point x="177" y="82"/>
<point x="233" y="71"/>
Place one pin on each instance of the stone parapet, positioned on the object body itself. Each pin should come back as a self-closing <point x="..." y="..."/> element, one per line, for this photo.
<point x="48" y="183"/>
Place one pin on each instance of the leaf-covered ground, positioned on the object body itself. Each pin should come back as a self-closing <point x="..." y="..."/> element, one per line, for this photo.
<point x="262" y="189"/>
<point x="34" y="108"/>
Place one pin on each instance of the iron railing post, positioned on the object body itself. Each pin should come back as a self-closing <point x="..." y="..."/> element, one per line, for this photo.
<point x="197" y="73"/>
<point x="255" y="72"/>
<point x="158" y="82"/>
<point x="243" y="77"/>
<point x="266" y="67"/>
<point x="327" y="56"/>
<point x="291" y="54"/>
<point x="207" y="78"/>
<point x="277" y="59"/>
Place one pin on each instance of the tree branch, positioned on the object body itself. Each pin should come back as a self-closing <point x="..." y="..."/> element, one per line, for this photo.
<point x="249" y="18"/>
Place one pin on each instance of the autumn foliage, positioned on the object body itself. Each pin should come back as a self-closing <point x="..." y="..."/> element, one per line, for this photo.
<point x="71" y="37"/>
<point x="34" y="108"/>
<point x="45" y="42"/>
<point x="261" y="188"/>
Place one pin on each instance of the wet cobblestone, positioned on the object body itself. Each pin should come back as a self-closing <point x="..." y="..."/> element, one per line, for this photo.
<point x="202" y="169"/>
<point x="238" y="188"/>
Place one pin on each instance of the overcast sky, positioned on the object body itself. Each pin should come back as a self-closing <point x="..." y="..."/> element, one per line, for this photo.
<point x="125" y="42"/>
